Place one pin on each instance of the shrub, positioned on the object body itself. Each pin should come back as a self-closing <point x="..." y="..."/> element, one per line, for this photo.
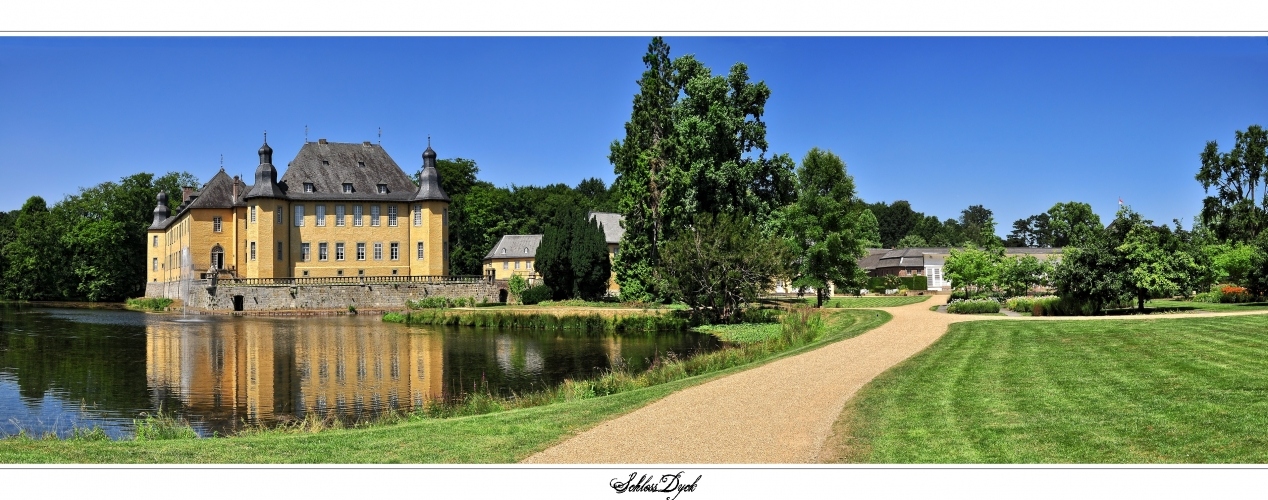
<point x="149" y="303"/>
<point x="535" y="294"/>
<point x="1212" y="297"/>
<point x="981" y="306"/>
<point x="516" y="286"/>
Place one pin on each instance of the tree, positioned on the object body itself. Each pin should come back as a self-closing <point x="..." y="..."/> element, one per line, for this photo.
<point x="553" y="260"/>
<point x="825" y="235"/>
<point x="912" y="241"/>
<point x="30" y="255"/>
<point x="719" y="264"/>
<point x="588" y="256"/>
<point x="978" y="225"/>
<point x="1236" y="212"/>
<point x="1017" y="276"/>
<point x="896" y="220"/>
<point x="1091" y="275"/>
<point x="1071" y="223"/>
<point x="1032" y="231"/>
<point x="869" y="229"/>
<point x="973" y="268"/>
<point x="1152" y="267"/>
<point x="695" y="144"/>
<point x="516" y="286"/>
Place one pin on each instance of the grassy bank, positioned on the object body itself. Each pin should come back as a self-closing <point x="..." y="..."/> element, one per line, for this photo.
<point x="1181" y="390"/>
<point x="503" y="436"/>
<point x="149" y="304"/>
<point x="541" y="321"/>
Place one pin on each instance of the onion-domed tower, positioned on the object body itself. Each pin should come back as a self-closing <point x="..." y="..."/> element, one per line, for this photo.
<point x="267" y="253"/>
<point x="429" y="222"/>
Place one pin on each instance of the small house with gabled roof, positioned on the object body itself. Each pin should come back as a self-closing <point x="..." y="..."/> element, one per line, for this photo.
<point x="513" y="254"/>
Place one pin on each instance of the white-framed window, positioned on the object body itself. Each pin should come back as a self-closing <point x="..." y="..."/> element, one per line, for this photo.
<point x="299" y="215"/>
<point x="347" y="187"/>
<point x="280" y="255"/>
<point x="503" y="251"/>
<point x="378" y="251"/>
<point x="374" y="215"/>
<point x="278" y="215"/>
<point x="338" y="251"/>
<point x="382" y="188"/>
<point x="339" y="215"/>
<point x="394" y="251"/>
<point x="308" y="187"/>
<point x="391" y="215"/>
<point x="517" y="264"/>
<point x="252" y="250"/>
<point x="304" y="250"/>
<point x="320" y="212"/>
<point x="156" y="240"/>
<point x="420" y="251"/>
<point x="525" y="250"/>
<point x="322" y="252"/>
<point x="155" y="264"/>
<point x="506" y="264"/>
<point x="418" y="215"/>
<point x="530" y="264"/>
<point x="253" y="214"/>
<point x="360" y="251"/>
<point x="216" y="224"/>
<point x="356" y="216"/>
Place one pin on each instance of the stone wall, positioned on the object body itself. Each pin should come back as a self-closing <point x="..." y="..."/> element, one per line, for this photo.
<point x="330" y="297"/>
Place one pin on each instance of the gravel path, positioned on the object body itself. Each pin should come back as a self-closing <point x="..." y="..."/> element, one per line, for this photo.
<point x="780" y="412"/>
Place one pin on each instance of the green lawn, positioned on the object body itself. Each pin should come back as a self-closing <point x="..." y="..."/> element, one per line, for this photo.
<point x="744" y="332"/>
<point x="1169" y="305"/>
<point x="1180" y="390"/>
<point x="502" y="437"/>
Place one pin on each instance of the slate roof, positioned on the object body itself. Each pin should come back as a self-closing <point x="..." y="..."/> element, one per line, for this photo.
<point x="612" y="229"/>
<point x="328" y="165"/>
<point x="919" y="257"/>
<point x="514" y="244"/>
<point x="429" y="179"/>
<point x="216" y="193"/>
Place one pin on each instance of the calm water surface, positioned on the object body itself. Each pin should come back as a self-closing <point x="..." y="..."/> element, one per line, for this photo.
<point x="67" y="368"/>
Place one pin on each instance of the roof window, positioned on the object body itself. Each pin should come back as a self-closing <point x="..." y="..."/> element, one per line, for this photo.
<point x="382" y="188"/>
<point x="325" y="163"/>
<point x="361" y="164"/>
<point x="347" y="187"/>
<point x="308" y="187"/>
<point x="525" y="250"/>
<point x="503" y="251"/>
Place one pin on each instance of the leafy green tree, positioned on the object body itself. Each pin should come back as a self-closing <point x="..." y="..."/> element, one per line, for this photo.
<point x="979" y="226"/>
<point x="825" y="235"/>
<point x="1236" y="212"/>
<point x="1017" y="276"/>
<point x="1092" y="274"/>
<point x="516" y="286"/>
<point x="33" y="253"/>
<point x="1152" y="266"/>
<point x="973" y="270"/>
<point x="1232" y="262"/>
<point x="912" y="241"/>
<point x="719" y="264"/>
<point x="869" y="229"/>
<point x="695" y="144"/>
<point x="896" y="220"/>
<point x="1032" y="231"/>
<point x="1071" y="223"/>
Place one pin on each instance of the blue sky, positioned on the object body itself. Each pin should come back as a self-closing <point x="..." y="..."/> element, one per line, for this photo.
<point x="1014" y="124"/>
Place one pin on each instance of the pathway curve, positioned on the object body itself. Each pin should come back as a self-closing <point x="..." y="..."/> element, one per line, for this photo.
<point x="780" y="412"/>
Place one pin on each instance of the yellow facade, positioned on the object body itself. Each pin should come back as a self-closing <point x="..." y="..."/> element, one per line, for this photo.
<point x="348" y="210"/>
<point x="503" y="269"/>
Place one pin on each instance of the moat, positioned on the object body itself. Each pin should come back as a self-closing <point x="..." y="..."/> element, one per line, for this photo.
<point x="66" y="368"/>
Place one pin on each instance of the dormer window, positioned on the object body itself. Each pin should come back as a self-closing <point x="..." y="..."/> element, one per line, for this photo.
<point x="525" y="250"/>
<point x="503" y="251"/>
<point x="308" y="187"/>
<point x="325" y="163"/>
<point x="347" y="187"/>
<point x="361" y="164"/>
<point x="382" y="188"/>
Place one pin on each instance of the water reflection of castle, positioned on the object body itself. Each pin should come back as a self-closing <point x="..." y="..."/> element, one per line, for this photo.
<point x="262" y="370"/>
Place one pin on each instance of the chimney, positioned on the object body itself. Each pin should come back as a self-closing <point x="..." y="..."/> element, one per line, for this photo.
<point x="321" y="141"/>
<point x="235" y="190"/>
<point x="365" y="143"/>
<point x="186" y="193"/>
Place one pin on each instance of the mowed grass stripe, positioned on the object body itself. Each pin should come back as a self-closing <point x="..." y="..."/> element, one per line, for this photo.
<point x="1184" y="390"/>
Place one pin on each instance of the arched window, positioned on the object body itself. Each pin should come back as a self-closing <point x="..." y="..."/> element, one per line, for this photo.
<point x="525" y="250"/>
<point x="217" y="257"/>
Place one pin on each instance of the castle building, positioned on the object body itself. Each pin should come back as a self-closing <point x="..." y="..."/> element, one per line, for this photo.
<point x="341" y="209"/>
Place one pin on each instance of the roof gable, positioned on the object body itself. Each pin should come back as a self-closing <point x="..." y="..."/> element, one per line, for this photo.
<point x="514" y="246"/>
<point x="612" y="229"/>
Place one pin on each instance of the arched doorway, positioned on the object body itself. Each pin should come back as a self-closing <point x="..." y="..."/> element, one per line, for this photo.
<point x="217" y="257"/>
